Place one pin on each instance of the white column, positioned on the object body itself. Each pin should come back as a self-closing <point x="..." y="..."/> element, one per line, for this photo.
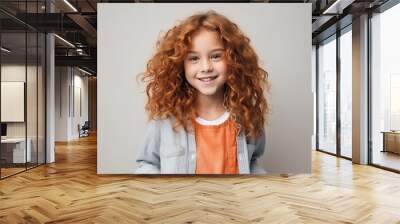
<point x="50" y="100"/>
<point x="50" y="92"/>
<point x="63" y="112"/>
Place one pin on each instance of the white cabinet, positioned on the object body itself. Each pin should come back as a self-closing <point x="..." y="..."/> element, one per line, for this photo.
<point x="18" y="149"/>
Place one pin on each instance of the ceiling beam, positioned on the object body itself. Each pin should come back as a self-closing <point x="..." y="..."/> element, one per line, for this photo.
<point x="84" y="24"/>
<point x="85" y="61"/>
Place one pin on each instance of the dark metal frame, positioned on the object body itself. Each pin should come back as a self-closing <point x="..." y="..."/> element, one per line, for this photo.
<point x="369" y="83"/>
<point x="317" y="97"/>
<point x="26" y="88"/>
<point x="0" y="93"/>
<point x="45" y="89"/>
<point x="338" y="98"/>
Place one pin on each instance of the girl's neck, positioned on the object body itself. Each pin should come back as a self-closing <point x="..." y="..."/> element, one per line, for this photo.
<point x="210" y="107"/>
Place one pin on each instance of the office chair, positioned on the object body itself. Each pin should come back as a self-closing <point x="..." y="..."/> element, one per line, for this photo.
<point x="84" y="130"/>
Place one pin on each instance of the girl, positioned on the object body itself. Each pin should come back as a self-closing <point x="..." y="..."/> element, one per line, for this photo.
<point x="205" y="101"/>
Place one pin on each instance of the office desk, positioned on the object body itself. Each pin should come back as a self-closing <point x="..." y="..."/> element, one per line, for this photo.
<point x="391" y="141"/>
<point x="13" y="150"/>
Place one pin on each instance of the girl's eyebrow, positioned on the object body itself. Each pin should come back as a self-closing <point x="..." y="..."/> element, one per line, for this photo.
<point x="212" y="51"/>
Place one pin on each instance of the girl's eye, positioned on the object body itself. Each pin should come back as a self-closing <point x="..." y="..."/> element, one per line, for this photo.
<point x="216" y="57"/>
<point x="192" y="58"/>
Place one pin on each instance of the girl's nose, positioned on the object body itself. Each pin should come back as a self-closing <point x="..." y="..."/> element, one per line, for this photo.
<point x="206" y="66"/>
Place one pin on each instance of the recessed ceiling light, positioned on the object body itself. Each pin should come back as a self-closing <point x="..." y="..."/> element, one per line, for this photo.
<point x="84" y="71"/>
<point x="5" y="50"/>
<point x="338" y="6"/>
<point x="64" y="40"/>
<point x="70" y="5"/>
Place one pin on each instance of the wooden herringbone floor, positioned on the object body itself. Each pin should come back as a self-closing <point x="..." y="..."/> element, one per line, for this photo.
<point x="70" y="191"/>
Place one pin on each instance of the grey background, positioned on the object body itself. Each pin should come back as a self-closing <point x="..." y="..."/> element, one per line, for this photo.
<point x="279" y="33"/>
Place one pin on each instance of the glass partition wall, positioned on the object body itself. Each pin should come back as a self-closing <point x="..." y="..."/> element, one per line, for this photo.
<point x="345" y="61"/>
<point x="22" y="88"/>
<point x="385" y="89"/>
<point x="13" y="89"/>
<point x="327" y="95"/>
<point x="334" y="94"/>
<point x="334" y="90"/>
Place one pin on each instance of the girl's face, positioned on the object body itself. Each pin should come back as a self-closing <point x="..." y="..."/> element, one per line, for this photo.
<point x="205" y="65"/>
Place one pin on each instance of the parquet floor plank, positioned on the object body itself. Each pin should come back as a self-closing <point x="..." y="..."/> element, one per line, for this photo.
<point x="70" y="191"/>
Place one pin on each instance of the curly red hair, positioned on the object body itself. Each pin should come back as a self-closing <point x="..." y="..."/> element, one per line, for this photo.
<point x="171" y="96"/>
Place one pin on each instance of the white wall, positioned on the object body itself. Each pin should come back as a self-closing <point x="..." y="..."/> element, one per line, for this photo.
<point x="281" y="36"/>
<point x="68" y="81"/>
<point x="61" y="103"/>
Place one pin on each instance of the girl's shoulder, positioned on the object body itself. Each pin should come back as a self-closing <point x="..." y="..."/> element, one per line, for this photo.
<point x="162" y="125"/>
<point x="160" y="122"/>
<point x="163" y="129"/>
<point x="158" y="128"/>
<point x="255" y="141"/>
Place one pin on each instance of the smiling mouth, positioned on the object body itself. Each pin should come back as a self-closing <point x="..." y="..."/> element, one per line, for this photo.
<point x="208" y="79"/>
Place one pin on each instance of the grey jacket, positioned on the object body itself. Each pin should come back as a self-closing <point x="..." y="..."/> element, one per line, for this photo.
<point x="167" y="152"/>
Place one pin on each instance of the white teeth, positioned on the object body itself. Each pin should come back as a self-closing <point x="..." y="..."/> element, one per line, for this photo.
<point x="207" y="79"/>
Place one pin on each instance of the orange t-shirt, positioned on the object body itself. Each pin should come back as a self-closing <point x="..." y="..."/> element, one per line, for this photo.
<point x="216" y="148"/>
